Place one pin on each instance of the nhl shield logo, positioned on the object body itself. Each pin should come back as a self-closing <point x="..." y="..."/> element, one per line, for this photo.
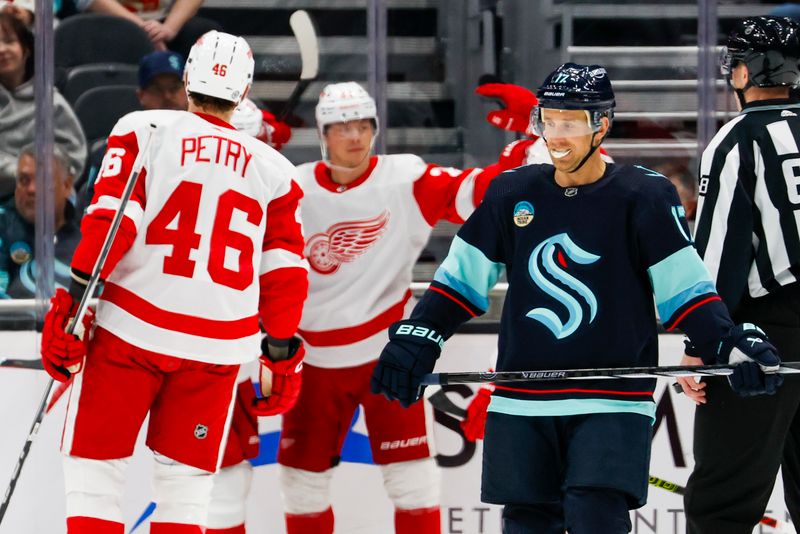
<point x="523" y="213"/>
<point x="200" y="431"/>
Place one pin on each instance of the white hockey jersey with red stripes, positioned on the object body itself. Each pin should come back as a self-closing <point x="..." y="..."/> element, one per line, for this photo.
<point x="210" y="242"/>
<point x="362" y="241"/>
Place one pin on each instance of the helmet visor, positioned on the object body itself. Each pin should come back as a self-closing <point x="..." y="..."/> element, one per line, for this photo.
<point x="725" y="61"/>
<point x="558" y="123"/>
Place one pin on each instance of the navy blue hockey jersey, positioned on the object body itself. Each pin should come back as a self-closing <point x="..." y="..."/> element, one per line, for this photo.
<point x="583" y="265"/>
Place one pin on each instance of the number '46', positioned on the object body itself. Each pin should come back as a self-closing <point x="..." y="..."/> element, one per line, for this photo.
<point x="219" y="69"/>
<point x="184" y="205"/>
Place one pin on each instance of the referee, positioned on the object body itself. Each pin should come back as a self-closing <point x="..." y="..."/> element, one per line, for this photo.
<point x="748" y="234"/>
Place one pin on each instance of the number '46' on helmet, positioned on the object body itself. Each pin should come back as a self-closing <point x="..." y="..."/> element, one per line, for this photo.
<point x="220" y="65"/>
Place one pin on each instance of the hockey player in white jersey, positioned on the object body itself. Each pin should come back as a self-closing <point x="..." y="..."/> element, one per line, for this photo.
<point x="210" y="243"/>
<point x="366" y="219"/>
<point x="227" y="511"/>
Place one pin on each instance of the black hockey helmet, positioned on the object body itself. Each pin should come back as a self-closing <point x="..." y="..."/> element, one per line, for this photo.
<point x="769" y="47"/>
<point x="582" y="87"/>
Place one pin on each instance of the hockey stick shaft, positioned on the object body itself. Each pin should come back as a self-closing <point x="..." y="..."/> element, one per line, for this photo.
<point x="80" y="312"/>
<point x="293" y="99"/>
<point x="672" y="487"/>
<point x="18" y="363"/>
<point x="441" y="379"/>
<point x="303" y="29"/>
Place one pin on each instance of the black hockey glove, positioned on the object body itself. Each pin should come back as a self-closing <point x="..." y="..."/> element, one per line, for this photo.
<point x="410" y="354"/>
<point x="755" y="359"/>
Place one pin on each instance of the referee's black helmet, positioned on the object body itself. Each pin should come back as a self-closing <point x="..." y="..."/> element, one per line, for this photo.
<point x="769" y="47"/>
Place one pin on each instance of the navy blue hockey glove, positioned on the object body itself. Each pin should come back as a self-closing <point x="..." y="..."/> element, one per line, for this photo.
<point x="410" y="354"/>
<point x="756" y="361"/>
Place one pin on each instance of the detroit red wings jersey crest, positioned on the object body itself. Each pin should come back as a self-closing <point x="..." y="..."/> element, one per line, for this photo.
<point x="344" y="242"/>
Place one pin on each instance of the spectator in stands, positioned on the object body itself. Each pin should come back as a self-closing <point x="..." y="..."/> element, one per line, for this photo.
<point x="17" y="107"/>
<point x="161" y="81"/>
<point x="160" y="87"/>
<point x="21" y="9"/>
<point x="17" y="232"/>
<point x="174" y="25"/>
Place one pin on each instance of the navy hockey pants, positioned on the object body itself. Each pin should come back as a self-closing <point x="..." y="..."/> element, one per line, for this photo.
<point x="584" y="511"/>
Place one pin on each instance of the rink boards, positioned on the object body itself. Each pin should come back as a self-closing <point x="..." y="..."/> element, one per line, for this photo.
<point x="359" y="502"/>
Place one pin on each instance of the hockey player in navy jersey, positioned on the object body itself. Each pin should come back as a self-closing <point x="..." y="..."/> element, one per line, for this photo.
<point x="585" y="245"/>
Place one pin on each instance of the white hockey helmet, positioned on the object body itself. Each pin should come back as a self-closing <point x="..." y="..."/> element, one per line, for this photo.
<point x="247" y="117"/>
<point x="343" y="102"/>
<point x="220" y="65"/>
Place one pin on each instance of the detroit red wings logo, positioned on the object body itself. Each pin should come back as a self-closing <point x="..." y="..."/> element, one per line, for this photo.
<point x="344" y="242"/>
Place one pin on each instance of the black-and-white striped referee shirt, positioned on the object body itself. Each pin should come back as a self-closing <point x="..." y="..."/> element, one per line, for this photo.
<point x="748" y="214"/>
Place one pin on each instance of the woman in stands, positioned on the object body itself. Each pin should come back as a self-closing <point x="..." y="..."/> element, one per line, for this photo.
<point x="17" y="106"/>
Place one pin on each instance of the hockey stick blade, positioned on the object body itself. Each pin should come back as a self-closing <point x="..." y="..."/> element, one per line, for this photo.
<point x="441" y="379"/>
<point x="777" y="524"/>
<point x="306" y="35"/>
<point x="17" y="363"/>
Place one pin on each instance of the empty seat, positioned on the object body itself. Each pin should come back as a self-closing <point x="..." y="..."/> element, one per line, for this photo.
<point x="80" y="79"/>
<point x="94" y="38"/>
<point x="100" y="108"/>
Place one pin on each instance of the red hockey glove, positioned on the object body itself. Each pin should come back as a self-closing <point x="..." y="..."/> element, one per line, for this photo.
<point x="474" y="423"/>
<point x="285" y="378"/>
<point x="518" y="103"/>
<point x="62" y="353"/>
<point x="274" y="132"/>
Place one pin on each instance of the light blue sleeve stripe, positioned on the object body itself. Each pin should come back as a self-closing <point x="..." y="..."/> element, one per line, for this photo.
<point x="467" y="270"/>
<point x="667" y="309"/>
<point x="677" y="279"/>
<point x="555" y="408"/>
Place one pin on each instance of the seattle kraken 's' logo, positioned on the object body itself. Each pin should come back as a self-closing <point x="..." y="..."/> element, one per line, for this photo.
<point x="554" y="263"/>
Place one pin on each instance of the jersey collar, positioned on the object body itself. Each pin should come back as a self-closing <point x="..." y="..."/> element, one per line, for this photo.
<point x="213" y="120"/>
<point x="769" y="105"/>
<point x="323" y="175"/>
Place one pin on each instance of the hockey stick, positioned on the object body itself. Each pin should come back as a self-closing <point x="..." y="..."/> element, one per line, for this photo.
<point x="441" y="379"/>
<point x="18" y="363"/>
<point x="777" y="524"/>
<point x="306" y="36"/>
<point x="77" y="321"/>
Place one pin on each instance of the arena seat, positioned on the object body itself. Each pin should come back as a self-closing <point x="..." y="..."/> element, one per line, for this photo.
<point x="98" y="109"/>
<point x="93" y="38"/>
<point x="81" y="78"/>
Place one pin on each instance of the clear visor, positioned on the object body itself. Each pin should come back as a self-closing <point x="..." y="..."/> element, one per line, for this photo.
<point x="556" y="123"/>
<point x="725" y="61"/>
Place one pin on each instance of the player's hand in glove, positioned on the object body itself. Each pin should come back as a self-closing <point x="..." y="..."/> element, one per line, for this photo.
<point x="62" y="353"/>
<point x="474" y="423"/>
<point x="410" y="354"/>
<point x="274" y="132"/>
<point x="279" y="378"/>
<point x="518" y="103"/>
<point x="755" y="359"/>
